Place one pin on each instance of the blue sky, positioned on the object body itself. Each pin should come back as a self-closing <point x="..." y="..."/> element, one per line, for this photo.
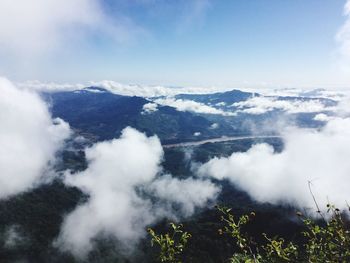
<point x="190" y="42"/>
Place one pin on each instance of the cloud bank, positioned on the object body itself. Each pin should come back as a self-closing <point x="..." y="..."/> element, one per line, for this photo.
<point x="122" y="177"/>
<point x="192" y="106"/>
<point x="29" y="139"/>
<point x="321" y="157"/>
<point x="261" y="105"/>
<point x="119" y="88"/>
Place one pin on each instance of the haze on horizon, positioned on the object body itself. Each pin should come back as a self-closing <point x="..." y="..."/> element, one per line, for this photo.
<point x="196" y="42"/>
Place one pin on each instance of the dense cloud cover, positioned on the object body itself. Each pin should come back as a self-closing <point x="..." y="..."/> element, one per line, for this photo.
<point x="119" y="172"/>
<point x="29" y="139"/>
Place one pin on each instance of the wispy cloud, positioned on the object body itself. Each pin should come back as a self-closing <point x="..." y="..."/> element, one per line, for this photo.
<point x="193" y="14"/>
<point x="343" y="40"/>
<point x="39" y="27"/>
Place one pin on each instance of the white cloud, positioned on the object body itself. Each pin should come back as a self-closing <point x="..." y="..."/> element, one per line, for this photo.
<point x="220" y="104"/>
<point x="268" y="176"/>
<point x="342" y="109"/>
<point x="166" y="91"/>
<point x="343" y="40"/>
<point x="261" y="105"/>
<point x="188" y="193"/>
<point x="116" y="170"/>
<point x="119" y="88"/>
<point x="29" y="139"/>
<point x="38" y="86"/>
<point x="322" y="117"/>
<point x="35" y="27"/>
<point x="214" y="126"/>
<point x="149" y="108"/>
<point x="153" y="91"/>
<point x="192" y="106"/>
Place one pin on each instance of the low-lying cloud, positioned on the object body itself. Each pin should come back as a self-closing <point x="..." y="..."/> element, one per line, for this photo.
<point x="29" y="139"/>
<point x="188" y="194"/>
<point x="260" y="105"/>
<point x="146" y="91"/>
<point x="149" y="108"/>
<point x="192" y="106"/>
<point x="321" y="157"/>
<point x="122" y="178"/>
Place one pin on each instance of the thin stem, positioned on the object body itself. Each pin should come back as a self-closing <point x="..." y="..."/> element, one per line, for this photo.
<point x="313" y="197"/>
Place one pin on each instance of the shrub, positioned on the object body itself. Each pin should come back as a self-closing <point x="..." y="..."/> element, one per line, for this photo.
<point x="171" y="244"/>
<point x="326" y="241"/>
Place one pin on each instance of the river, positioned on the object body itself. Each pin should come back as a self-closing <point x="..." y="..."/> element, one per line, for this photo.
<point x="221" y="139"/>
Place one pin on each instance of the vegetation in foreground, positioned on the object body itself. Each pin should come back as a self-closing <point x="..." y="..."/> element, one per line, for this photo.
<point x="325" y="241"/>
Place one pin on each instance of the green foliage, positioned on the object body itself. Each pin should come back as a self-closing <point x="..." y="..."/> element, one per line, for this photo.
<point x="275" y="249"/>
<point x="326" y="241"/>
<point x="233" y="228"/>
<point x="330" y="243"/>
<point x="171" y="244"/>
